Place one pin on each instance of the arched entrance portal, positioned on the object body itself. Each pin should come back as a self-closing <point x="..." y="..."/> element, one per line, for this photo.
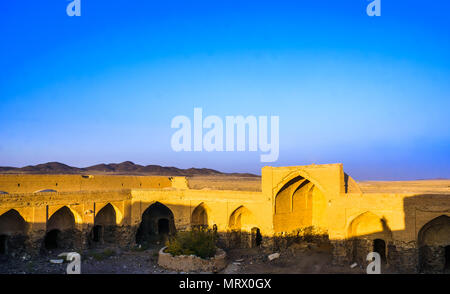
<point x="13" y="230"/>
<point x="104" y="230"/>
<point x="156" y="225"/>
<point x="299" y="204"/>
<point x="61" y="232"/>
<point x="434" y="241"/>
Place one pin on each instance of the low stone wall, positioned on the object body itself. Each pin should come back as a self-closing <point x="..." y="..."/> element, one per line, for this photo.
<point x="400" y="256"/>
<point x="191" y="263"/>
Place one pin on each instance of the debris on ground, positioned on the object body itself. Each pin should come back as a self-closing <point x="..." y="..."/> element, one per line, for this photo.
<point x="273" y="256"/>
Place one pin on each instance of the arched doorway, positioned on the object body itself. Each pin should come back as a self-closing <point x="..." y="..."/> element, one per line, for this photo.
<point x="51" y="239"/>
<point x="433" y="242"/>
<point x="157" y="224"/>
<point x="379" y="246"/>
<point x="104" y="230"/>
<point x="13" y="232"/>
<point x="368" y="233"/>
<point x="200" y="216"/>
<point x="241" y="224"/>
<point x="97" y="234"/>
<point x="61" y="232"/>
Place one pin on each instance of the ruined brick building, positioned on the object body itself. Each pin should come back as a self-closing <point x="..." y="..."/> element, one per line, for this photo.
<point x="411" y="231"/>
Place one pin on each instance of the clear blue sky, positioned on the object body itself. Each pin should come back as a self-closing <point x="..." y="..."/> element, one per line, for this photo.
<point x="370" y="92"/>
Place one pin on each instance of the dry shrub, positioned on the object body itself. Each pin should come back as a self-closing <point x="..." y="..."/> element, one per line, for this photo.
<point x="200" y="242"/>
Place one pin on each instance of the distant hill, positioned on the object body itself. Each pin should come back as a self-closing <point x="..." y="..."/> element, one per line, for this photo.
<point x="124" y="168"/>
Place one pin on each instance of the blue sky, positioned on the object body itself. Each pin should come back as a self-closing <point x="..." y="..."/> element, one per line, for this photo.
<point x="370" y="92"/>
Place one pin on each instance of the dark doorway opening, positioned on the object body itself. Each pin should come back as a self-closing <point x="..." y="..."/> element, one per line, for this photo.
<point x="447" y="257"/>
<point x="379" y="246"/>
<point x="163" y="226"/>
<point x="3" y="244"/>
<point x="98" y="233"/>
<point x="256" y="237"/>
<point x="157" y="224"/>
<point x="51" y="239"/>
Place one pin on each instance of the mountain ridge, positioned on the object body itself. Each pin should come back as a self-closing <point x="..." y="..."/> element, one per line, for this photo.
<point x="123" y="168"/>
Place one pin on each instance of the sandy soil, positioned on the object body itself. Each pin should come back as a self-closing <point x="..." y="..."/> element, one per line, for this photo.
<point x="225" y="183"/>
<point x="298" y="259"/>
<point x="99" y="261"/>
<point x="254" y="184"/>
<point x="421" y="186"/>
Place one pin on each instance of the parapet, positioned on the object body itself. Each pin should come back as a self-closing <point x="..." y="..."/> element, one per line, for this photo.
<point x="179" y="183"/>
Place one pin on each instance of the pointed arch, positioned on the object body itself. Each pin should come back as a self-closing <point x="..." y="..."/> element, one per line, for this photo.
<point x="77" y="217"/>
<point x="105" y="222"/>
<point x="242" y="219"/>
<point x="295" y="176"/>
<point x="299" y="204"/>
<point x="436" y="232"/>
<point x="200" y="215"/>
<point x="13" y="231"/>
<point x="283" y="199"/>
<point x="369" y="225"/>
<point x="117" y="211"/>
<point x="433" y="241"/>
<point x="157" y="223"/>
<point x="62" y="219"/>
<point x="106" y="216"/>
<point x="62" y="229"/>
<point x="12" y="222"/>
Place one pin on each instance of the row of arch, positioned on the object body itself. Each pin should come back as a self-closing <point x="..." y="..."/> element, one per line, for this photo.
<point x="62" y="229"/>
<point x="369" y="232"/>
<point x="158" y="222"/>
<point x="63" y="226"/>
<point x="240" y="219"/>
<point x="300" y="202"/>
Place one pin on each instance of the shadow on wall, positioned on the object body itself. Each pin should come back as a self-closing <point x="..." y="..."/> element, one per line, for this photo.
<point x="13" y="232"/>
<point x="158" y="224"/>
<point x="426" y="231"/>
<point x="300" y="204"/>
<point x="104" y="230"/>
<point x="429" y="251"/>
<point x="64" y="228"/>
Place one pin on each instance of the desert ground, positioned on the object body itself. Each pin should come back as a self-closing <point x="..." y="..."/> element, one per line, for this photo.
<point x="236" y="183"/>
<point x="301" y="258"/>
<point x="254" y="184"/>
